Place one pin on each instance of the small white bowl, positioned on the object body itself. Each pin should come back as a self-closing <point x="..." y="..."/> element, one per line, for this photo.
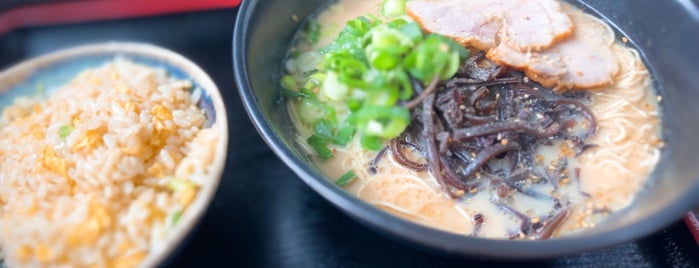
<point x="58" y="68"/>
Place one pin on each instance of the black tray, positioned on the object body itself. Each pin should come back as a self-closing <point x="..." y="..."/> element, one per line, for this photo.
<point x="263" y="215"/>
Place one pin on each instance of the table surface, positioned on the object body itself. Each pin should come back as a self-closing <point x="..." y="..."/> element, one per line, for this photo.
<point x="263" y="214"/>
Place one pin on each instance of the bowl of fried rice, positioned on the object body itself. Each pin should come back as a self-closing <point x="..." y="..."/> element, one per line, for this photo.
<point x="109" y="155"/>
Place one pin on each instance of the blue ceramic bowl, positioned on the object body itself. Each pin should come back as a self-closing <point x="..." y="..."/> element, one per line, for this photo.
<point x="43" y="75"/>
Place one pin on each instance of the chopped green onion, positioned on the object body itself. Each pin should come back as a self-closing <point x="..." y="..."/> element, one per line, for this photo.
<point x="175" y="217"/>
<point x="289" y="82"/>
<point x="354" y="104"/>
<point x="389" y="37"/>
<point x="349" y="69"/>
<point x="287" y="93"/>
<point x="403" y="78"/>
<point x="412" y="30"/>
<point x="369" y="67"/>
<point x="433" y="57"/>
<point x="65" y="131"/>
<point x="350" y="38"/>
<point x="309" y="95"/>
<point x="307" y="63"/>
<point x="382" y="121"/>
<point x="371" y="142"/>
<point x="309" y="111"/>
<point x="344" y="135"/>
<point x="312" y="31"/>
<point x="320" y="145"/>
<point x="333" y="89"/>
<point x="393" y="8"/>
<point x="177" y="185"/>
<point x="295" y="54"/>
<point x="385" y="97"/>
<point x="329" y="113"/>
<point x="346" y="179"/>
<point x="383" y="60"/>
<point x="322" y="129"/>
<point x="315" y="80"/>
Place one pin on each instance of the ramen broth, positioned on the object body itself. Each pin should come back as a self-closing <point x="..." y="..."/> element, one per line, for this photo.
<point x="602" y="180"/>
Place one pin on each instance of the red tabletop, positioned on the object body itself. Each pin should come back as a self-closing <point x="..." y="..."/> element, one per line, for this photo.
<point x="62" y="12"/>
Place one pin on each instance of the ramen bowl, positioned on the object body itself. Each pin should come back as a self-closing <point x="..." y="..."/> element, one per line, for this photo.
<point x="264" y="32"/>
<point x="46" y="76"/>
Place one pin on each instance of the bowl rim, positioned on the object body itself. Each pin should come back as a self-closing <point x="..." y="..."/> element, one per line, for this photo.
<point x="174" y="238"/>
<point x="426" y="237"/>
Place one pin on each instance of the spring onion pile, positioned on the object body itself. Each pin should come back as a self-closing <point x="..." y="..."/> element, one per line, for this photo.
<point x="361" y="82"/>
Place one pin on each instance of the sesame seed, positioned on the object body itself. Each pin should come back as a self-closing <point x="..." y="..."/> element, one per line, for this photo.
<point x="564" y="181"/>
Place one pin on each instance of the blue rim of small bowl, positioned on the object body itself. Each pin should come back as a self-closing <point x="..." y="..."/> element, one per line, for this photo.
<point x="58" y="68"/>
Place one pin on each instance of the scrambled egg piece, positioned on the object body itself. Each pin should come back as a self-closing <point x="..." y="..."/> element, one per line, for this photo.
<point x="51" y="161"/>
<point x="89" y="141"/>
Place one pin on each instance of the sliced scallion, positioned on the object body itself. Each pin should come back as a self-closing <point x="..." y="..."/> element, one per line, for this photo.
<point x="320" y="146"/>
<point x="382" y="121"/>
<point x="289" y="82"/>
<point x="287" y="93"/>
<point x="64" y="131"/>
<point x="312" y="31"/>
<point x="346" y="179"/>
<point x="393" y="8"/>
<point x="370" y="67"/>
<point x="178" y="185"/>
<point x="344" y="135"/>
<point x="175" y="217"/>
<point x="323" y="129"/>
<point x="371" y="142"/>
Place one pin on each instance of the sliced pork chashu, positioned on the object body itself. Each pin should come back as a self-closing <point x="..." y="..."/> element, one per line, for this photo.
<point x="584" y="60"/>
<point x="553" y="45"/>
<point x="523" y="24"/>
<point x="535" y="25"/>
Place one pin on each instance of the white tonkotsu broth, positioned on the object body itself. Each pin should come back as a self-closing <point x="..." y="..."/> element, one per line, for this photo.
<point x="628" y="140"/>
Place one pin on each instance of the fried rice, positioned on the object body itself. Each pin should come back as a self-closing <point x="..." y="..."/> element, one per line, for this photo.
<point x="97" y="173"/>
